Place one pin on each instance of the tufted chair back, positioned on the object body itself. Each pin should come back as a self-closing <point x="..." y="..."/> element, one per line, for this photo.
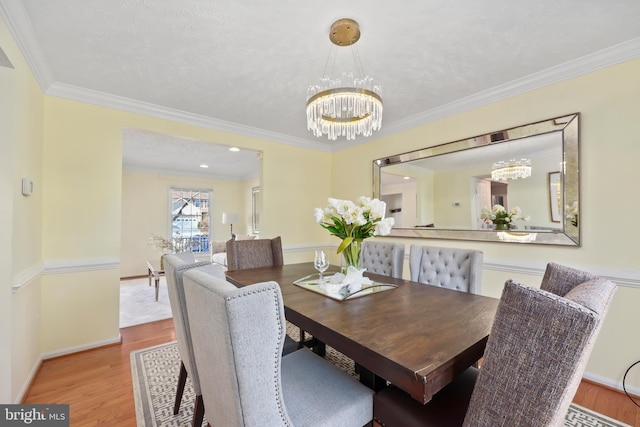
<point x="383" y="258"/>
<point x="175" y="265"/>
<point x="452" y="268"/>
<point x="242" y="254"/>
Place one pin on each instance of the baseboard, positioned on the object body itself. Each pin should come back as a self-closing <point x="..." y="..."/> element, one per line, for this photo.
<point x="27" y="383"/>
<point x="44" y="356"/>
<point x="606" y="382"/>
<point x="79" y="348"/>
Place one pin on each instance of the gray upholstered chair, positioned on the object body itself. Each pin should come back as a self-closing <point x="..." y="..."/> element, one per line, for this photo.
<point x="256" y="253"/>
<point x="383" y="258"/>
<point x="175" y="265"/>
<point x="238" y="336"/>
<point x="559" y="279"/>
<point x="452" y="268"/>
<point x="535" y="358"/>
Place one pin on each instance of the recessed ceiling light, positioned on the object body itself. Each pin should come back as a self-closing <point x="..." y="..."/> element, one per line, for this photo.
<point x="234" y="149"/>
<point x="407" y="177"/>
<point x="204" y="166"/>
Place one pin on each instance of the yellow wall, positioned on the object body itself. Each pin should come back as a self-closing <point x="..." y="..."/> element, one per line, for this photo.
<point x="83" y="200"/>
<point x="608" y="101"/>
<point x="72" y="225"/>
<point x="21" y="119"/>
<point x="145" y="212"/>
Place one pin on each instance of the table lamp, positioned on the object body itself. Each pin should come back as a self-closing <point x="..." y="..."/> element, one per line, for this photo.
<point x="230" y="218"/>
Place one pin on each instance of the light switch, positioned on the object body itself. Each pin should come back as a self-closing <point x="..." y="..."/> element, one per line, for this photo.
<point x="27" y="186"/>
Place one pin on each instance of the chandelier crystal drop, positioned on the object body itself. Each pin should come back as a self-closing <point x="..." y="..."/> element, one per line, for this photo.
<point x="347" y="106"/>
<point x="512" y="169"/>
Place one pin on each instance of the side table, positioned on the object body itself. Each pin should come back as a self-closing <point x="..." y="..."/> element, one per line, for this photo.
<point x="155" y="273"/>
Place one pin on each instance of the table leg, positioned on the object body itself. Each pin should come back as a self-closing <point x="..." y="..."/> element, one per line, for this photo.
<point x="157" y="287"/>
<point x="150" y="274"/>
<point x="368" y="378"/>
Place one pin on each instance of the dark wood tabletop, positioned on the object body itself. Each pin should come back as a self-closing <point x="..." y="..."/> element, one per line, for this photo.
<point x="418" y="337"/>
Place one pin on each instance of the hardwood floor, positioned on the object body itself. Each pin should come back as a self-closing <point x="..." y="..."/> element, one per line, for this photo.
<point x="97" y="383"/>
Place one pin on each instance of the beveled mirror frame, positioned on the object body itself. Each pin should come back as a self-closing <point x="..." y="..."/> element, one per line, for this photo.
<point x="568" y="235"/>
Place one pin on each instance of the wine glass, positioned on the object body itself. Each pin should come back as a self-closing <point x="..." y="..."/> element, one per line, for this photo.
<point x="321" y="263"/>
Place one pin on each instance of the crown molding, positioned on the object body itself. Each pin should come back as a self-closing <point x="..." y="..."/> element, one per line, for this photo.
<point x="20" y="27"/>
<point x="614" y="55"/>
<point x="102" y="99"/>
<point x="15" y="16"/>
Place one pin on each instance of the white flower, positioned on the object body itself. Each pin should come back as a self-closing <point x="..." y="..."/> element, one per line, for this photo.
<point x="378" y="209"/>
<point x="359" y="218"/>
<point x="354" y="221"/>
<point x="384" y="227"/>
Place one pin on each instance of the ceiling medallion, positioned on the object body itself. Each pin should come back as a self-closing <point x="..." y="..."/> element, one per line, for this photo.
<point x="348" y="106"/>
<point x="512" y="169"/>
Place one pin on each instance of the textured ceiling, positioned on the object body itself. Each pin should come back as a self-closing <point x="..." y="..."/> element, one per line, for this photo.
<point x="244" y="66"/>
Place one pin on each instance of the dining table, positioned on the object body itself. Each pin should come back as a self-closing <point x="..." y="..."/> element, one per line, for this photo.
<point x="415" y="336"/>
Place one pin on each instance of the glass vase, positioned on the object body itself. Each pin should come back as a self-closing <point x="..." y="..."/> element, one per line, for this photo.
<point x="351" y="256"/>
<point x="502" y="226"/>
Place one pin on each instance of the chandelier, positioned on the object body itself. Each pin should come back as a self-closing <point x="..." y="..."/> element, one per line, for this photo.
<point x="512" y="169"/>
<point x="347" y="106"/>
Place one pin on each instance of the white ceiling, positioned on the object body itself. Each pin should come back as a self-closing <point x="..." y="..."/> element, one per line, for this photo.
<point x="244" y="66"/>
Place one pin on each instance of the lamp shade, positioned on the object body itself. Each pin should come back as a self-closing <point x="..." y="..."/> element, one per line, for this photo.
<point x="230" y="218"/>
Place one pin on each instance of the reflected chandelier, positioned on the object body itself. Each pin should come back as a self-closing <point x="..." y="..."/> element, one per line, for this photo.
<point x="349" y="106"/>
<point x="512" y="169"/>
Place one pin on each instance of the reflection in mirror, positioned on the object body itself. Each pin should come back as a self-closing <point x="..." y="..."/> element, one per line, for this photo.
<point x="449" y="191"/>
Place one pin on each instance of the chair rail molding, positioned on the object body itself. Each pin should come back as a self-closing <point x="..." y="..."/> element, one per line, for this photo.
<point x="26" y="277"/>
<point x="77" y="265"/>
<point x="621" y="277"/>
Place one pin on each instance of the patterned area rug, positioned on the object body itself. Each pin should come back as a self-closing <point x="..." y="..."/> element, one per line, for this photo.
<point x="155" y="372"/>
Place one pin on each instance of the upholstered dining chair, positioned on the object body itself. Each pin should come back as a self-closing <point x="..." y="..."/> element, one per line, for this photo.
<point x="559" y="279"/>
<point x="452" y="268"/>
<point x="256" y="253"/>
<point x="534" y="360"/>
<point x="238" y="336"/>
<point x="175" y="265"/>
<point x="383" y="258"/>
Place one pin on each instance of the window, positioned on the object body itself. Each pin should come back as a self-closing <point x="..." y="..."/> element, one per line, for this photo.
<point x="190" y="219"/>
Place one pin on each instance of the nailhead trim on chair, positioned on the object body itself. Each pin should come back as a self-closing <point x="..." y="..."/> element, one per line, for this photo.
<point x="277" y="355"/>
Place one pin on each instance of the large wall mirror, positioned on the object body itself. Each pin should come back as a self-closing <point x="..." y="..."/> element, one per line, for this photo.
<point x="445" y="191"/>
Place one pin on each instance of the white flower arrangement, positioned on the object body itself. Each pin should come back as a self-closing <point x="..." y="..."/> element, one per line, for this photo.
<point x="354" y="221"/>
<point x="499" y="215"/>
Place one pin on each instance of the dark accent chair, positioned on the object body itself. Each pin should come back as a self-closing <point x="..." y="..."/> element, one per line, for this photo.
<point x="243" y="254"/>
